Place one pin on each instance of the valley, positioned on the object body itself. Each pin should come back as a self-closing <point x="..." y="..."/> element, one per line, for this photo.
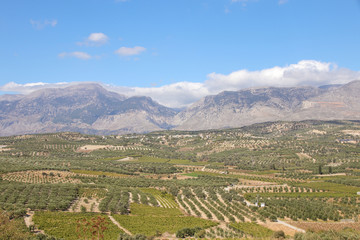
<point x="271" y="180"/>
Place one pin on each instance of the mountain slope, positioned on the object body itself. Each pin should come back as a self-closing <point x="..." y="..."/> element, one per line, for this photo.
<point x="244" y="107"/>
<point x="340" y="103"/>
<point x="89" y="108"/>
<point x="80" y="108"/>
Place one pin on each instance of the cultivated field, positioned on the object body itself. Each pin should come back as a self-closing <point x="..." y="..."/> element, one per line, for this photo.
<point x="258" y="182"/>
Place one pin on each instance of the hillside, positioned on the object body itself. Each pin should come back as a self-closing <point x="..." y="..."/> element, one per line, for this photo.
<point x="221" y="184"/>
<point x="244" y="107"/>
<point x="89" y="108"/>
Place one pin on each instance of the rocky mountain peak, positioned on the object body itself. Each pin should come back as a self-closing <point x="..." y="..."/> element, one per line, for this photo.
<point x="90" y="108"/>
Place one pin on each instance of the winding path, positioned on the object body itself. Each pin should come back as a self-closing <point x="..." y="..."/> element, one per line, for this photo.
<point x="28" y="218"/>
<point x="118" y="225"/>
<point x="291" y="226"/>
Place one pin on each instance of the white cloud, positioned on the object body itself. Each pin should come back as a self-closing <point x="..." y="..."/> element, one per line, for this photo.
<point x="125" y="51"/>
<point x="95" y="39"/>
<point x="306" y="72"/>
<point x="42" y="24"/>
<point x="80" y="55"/>
<point x="182" y="94"/>
<point x="30" y="87"/>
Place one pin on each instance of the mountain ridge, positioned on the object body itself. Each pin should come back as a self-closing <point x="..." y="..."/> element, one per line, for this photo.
<point x="89" y="108"/>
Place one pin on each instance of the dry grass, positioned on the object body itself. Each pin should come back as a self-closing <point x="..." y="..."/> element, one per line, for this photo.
<point x="324" y="226"/>
<point x="275" y="226"/>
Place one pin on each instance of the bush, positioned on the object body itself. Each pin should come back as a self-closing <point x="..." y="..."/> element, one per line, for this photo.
<point x="273" y="218"/>
<point x="200" y="234"/>
<point x="279" y="235"/>
<point x="83" y="209"/>
<point x="187" y="232"/>
<point x="124" y="236"/>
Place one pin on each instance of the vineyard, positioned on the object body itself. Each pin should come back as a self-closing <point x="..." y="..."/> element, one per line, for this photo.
<point x="152" y="221"/>
<point x="164" y="199"/>
<point x="71" y="225"/>
<point x="45" y="176"/>
<point x="18" y="196"/>
<point x="267" y="181"/>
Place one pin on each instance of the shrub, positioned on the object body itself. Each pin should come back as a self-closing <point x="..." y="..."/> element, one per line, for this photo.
<point x="83" y="209"/>
<point x="279" y="235"/>
<point x="187" y="232"/>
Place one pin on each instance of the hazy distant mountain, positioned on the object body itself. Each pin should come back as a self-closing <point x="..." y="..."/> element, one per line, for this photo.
<point x="89" y="108"/>
<point x="244" y="107"/>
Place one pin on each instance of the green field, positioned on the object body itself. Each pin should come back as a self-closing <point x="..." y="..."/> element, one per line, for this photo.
<point x="177" y="180"/>
<point x="150" y="221"/>
<point x="165" y="199"/>
<point x="66" y="225"/>
<point x="253" y="229"/>
<point x="333" y="187"/>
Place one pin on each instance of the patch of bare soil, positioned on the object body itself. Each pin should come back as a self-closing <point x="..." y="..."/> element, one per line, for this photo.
<point x="127" y="159"/>
<point x="90" y="148"/>
<point x="331" y="175"/>
<point x="302" y="156"/>
<point x="315" y="131"/>
<point x="4" y="148"/>
<point x="167" y="235"/>
<point x="352" y="132"/>
<point x="275" y="226"/>
<point x="324" y="226"/>
<point x="28" y="218"/>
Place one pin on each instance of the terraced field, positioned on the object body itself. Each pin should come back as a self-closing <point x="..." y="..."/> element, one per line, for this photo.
<point x="236" y="183"/>
<point x="164" y="199"/>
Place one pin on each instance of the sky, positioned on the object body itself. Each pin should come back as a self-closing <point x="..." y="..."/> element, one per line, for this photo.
<point x="177" y="51"/>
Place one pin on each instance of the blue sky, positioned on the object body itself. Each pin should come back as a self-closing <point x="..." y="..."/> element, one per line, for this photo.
<point x="177" y="51"/>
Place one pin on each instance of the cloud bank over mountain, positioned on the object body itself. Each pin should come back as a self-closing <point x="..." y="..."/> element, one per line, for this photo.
<point x="182" y="94"/>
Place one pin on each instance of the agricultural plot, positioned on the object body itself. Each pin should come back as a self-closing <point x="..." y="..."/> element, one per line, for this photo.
<point x="90" y="148"/>
<point x="85" y="205"/>
<point x="325" y="226"/>
<point x="93" y="192"/>
<point x="117" y="200"/>
<point x="151" y="221"/>
<point x="44" y="176"/>
<point x="223" y="232"/>
<point x="164" y="199"/>
<point x="215" y="204"/>
<point x="171" y="161"/>
<point x="232" y="183"/>
<point x="333" y="187"/>
<point x="70" y="226"/>
<point x="15" y="196"/>
<point x="252" y="230"/>
<point x="308" y="209"/>
<point x="99" y="173"/>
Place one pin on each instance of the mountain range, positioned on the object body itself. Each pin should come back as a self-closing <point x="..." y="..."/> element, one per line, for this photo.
<point x="89" y="108"/>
